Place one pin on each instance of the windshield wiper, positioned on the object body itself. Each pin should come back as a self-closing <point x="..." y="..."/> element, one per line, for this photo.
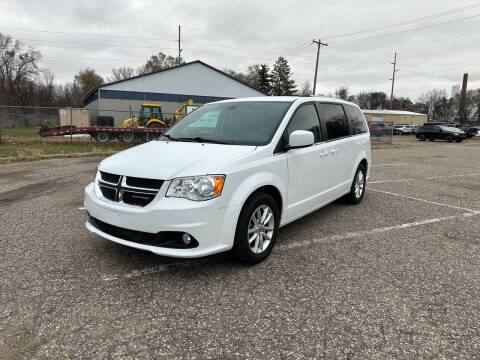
<point x="170" y="137"/>
<point x="203" y="140"/>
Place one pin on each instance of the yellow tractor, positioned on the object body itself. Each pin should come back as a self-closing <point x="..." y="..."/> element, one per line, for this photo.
<point x="150" y="116"/>
<point x="184" y="110"/>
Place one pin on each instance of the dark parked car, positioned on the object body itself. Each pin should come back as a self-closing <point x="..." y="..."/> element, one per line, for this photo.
<point x="440" y="132"/>
<point x="470" y="131"/>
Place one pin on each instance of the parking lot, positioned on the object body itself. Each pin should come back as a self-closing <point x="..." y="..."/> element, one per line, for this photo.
<point x="397" y="276"/>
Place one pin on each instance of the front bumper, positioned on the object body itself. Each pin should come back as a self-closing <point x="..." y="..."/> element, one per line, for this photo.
<point x="210" y="223"/>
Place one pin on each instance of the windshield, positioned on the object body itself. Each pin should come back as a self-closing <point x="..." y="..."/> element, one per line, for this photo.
<point x="238" y="123"/>
<point x="448" y="128"/>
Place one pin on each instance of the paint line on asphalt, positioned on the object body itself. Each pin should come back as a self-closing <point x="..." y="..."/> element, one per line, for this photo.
<point x="428" y="178"/>
<point x="426" y="201"/>
<point x="81" y="208"/>
<point x="391" y="181"/>
<point x="152" y="270"/>
<point x="375" y="231"/>
<point x="394" y="164"/>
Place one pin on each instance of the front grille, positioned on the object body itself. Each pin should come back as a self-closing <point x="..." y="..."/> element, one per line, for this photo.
<point x="129" y="190"/>
<point x="169" y="239"/>
<point x="138" y="199"/>
<point x="109" y="193"/>
<point x="111" y="178"/>
<point x="144" y="183"/>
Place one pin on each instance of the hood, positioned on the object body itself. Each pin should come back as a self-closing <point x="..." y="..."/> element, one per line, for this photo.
<point x="170" y="159"/>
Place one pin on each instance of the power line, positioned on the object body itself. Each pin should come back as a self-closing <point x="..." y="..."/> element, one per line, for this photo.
<point x="408" y="30"/>
<point x="408" y="22"/>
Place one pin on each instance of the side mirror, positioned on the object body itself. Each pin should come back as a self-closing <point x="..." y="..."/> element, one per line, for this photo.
<point x="300" y="138"/>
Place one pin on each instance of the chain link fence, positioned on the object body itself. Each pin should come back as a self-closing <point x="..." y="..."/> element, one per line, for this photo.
<point x="22" y="124"/>
<point x="381" y="132"/>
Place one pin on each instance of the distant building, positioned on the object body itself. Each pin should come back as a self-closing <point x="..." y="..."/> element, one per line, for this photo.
<point x="455" y="90"/>
<point x="395" y="116"/>
<point x="170" y="87"/>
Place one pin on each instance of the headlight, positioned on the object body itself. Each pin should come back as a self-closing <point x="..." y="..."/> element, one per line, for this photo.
<point x="197" y="188"/>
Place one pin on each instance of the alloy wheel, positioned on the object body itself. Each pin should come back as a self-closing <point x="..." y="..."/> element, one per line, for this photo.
<point x="359" y="184"/>
<point x="260" y="229"/>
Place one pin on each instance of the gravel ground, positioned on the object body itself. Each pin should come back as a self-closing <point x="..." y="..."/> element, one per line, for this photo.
<point x="394" y="277"/>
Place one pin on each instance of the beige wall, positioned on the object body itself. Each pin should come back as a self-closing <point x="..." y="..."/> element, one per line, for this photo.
<point x="398" y="119"/>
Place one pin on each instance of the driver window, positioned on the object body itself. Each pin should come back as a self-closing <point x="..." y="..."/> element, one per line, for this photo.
<point x="306" y="118"/>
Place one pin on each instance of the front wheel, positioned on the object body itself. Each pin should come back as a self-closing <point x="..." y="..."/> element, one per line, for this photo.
<point x="357" y="190"/>
<point x="449" y="139"/>
<point x="257" y="229"/>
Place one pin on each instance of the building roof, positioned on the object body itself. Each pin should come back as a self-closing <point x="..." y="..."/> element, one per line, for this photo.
<point x="391" y="112"/>
<point x="168" y="69"/>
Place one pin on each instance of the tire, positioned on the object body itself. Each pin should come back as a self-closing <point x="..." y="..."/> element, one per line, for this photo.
<point x="154" y="125"/>
<point x="357" y="190"/>
<point x="126" y="138"/>
<point x="102" y="137"/>
<point x="421" y="137"/>
<point x="246" y="247"/>
<point x="449" y="139"/>
<point x="431" y="139"/>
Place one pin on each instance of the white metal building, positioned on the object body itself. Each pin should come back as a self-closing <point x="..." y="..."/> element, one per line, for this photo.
<point x="170" y="87"/>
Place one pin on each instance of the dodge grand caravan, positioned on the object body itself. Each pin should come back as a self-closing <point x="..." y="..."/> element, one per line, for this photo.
<point x="229" y="175"/>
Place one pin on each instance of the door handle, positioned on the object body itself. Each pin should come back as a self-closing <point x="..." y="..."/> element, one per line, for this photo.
<point x="334" y="151"/>
<point x="323" y="154"/>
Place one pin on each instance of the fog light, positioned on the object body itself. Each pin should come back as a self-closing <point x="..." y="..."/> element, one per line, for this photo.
<point x="187" y="239"/>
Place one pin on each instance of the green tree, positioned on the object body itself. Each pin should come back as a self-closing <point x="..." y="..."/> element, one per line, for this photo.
<point x="282" y="83"/>
<point x="264" y="79"/>
<point x="87" y="79"/>
<point x="159" y="62"/>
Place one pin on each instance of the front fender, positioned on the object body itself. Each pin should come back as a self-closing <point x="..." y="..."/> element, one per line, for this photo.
<point x="252" y="183"/>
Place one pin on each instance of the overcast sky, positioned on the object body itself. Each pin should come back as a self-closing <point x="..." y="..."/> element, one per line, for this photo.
<point x="235" y="34"/>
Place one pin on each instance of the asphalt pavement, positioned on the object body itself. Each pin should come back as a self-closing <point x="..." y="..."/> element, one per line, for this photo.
<point x="397" y="276"/>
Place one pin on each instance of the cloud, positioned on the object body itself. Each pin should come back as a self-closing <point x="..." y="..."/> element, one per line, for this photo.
<point x="234" y="34"/>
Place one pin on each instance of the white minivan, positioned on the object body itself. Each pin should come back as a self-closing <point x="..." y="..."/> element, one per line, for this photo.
<point x="229" y="175"/>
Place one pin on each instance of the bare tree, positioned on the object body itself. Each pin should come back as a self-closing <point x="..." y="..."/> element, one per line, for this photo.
<point x="121" y="73"/>
<point x="342" y="93"/>
<point x="433" y="101"/>
<point x="306" y="88"/>
<point x="18" y="71"/>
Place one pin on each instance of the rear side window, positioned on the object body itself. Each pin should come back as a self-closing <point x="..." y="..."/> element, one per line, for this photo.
<point x="335" y="120"/>
<point x="356" y="120"/>
<point x="306" y="118"/>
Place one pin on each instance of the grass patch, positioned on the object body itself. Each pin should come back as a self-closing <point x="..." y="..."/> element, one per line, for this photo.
<point x="33" y="151"/>
<point x="28" y="132"/>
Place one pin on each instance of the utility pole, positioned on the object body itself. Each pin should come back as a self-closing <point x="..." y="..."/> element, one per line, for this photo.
<point x="394" y="63"/>
<point x="179" y="48"/>
<point x="462" y="113"/>
<point x="319" y="44"/>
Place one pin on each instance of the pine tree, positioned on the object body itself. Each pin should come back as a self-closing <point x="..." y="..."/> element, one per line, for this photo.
<point x="264" y="79"/>
<point x="282" y="84"/>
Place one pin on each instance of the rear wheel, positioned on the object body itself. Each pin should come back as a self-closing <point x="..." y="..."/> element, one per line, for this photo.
<point x="357" y="190"/>
<point x="126" y="137"/>
<point x="102" y="137"/>
<point x="257" y="229"/>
